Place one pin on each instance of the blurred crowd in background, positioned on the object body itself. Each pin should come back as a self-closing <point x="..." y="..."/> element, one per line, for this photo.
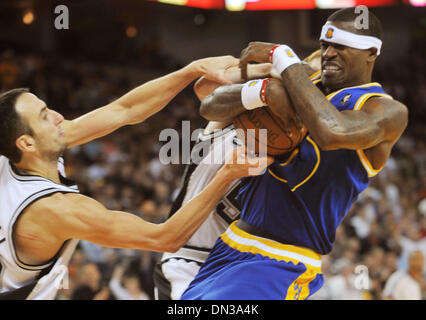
<point x="122" y="171"/>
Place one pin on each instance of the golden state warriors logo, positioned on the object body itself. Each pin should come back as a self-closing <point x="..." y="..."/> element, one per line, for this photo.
<point x="345" y="99"/>
<point x="329" y="33"/>
<point x="251" y="84"/>
<point x="289" y="53"/>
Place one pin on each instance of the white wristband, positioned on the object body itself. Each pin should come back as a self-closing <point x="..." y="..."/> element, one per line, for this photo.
<point x="251" y="94"/>
<point x="283" y="57"/>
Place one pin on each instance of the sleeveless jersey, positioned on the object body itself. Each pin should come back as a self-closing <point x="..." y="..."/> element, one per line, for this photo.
<point x="305" y="194"/>
<point x="212" y="149"/>
<point x="17" y="192"/>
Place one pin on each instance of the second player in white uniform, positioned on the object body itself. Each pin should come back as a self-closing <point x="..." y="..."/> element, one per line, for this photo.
<point x="178" y="269"/>
<point x="19" y="280"/>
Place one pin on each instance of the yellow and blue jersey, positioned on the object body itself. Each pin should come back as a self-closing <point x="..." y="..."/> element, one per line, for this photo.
<point x="288" y="220"/>
<point x="305" y="195"/>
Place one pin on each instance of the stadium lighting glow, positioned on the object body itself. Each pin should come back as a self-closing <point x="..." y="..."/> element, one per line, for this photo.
<point x="418" y="3"/>
<point x="131" y="31"/>
<point x="235" y="5"/>
<point x="331" y="4"/>
<point x="176" y="2"/>
<point x="28" y="17"/>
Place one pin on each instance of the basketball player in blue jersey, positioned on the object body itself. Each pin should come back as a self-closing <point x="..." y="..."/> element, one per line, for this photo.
<point x="42" y="214"/>
<point x="176" y="271"/>
<point x="290" y="214"/>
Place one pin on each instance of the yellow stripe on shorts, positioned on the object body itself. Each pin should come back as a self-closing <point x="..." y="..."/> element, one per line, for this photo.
<point x="245" y="242"/>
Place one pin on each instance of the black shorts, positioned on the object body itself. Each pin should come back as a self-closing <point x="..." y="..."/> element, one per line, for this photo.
<point x="162" y="285"/>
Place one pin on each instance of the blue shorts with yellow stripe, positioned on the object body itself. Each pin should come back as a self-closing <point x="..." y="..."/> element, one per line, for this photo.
<point x="246" y="267"/>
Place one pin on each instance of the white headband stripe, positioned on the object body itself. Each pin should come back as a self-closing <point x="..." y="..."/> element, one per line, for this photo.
<point x="333" y="34"/>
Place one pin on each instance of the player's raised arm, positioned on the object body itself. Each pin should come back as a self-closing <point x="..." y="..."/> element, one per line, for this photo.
<point x="223" y="104"/>
<point x="228" y="101"/>
<point x="74" y="216"/>
<point x="380" y="120"/>
<point x="144" y="101"/>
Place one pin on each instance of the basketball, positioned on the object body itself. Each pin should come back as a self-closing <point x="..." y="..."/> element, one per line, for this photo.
<point x="279" y="139"/>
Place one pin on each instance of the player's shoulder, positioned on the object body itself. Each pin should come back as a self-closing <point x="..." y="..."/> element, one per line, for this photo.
<point x="390" y="114"/>
<point x="3" y="160"/>
<point x="387" y="102"/>
<point x="390" y="108"/>
<point x="54" y="205"/>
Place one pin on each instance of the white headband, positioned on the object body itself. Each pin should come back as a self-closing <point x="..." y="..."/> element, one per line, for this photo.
<point x="333" y="34"/>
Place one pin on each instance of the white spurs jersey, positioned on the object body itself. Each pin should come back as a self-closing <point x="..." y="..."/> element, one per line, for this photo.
<point x="17" y="279"/>
<point x="196" y="178"/>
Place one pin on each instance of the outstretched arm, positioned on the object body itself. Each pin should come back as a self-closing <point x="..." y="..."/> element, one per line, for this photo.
<point x="143" y="101"/>
<point x="50" y="221"/>
<point x="204" y="87"/>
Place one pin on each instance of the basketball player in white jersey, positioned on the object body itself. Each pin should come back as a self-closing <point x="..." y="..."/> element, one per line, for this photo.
<point x="42" y="213"/>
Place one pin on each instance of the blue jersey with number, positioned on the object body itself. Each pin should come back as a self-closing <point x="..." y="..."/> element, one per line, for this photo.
<point x="304" y="195"/>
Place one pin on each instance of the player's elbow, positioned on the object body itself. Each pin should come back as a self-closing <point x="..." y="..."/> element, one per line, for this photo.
<point x="165" y="246"/>
<point x="328" y="132"/>
<point x="338" y="138"/>
<point x="208" y="110"/>
<point x="167" y="239"/>
<point x="170" y="245"/>
<point x="174" y="243"/>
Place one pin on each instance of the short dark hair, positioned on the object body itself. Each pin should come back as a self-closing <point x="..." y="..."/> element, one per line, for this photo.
<point x="348" y="15"/>
<point x="12" y="126"/>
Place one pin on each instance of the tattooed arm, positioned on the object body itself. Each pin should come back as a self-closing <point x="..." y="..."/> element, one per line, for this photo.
<point x="381" y="119"/>
<point x="375" y="128"/>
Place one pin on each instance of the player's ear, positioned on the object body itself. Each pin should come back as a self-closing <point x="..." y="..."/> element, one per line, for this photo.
<point x="25" y="143"/>
<point x="372" y="56"/>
